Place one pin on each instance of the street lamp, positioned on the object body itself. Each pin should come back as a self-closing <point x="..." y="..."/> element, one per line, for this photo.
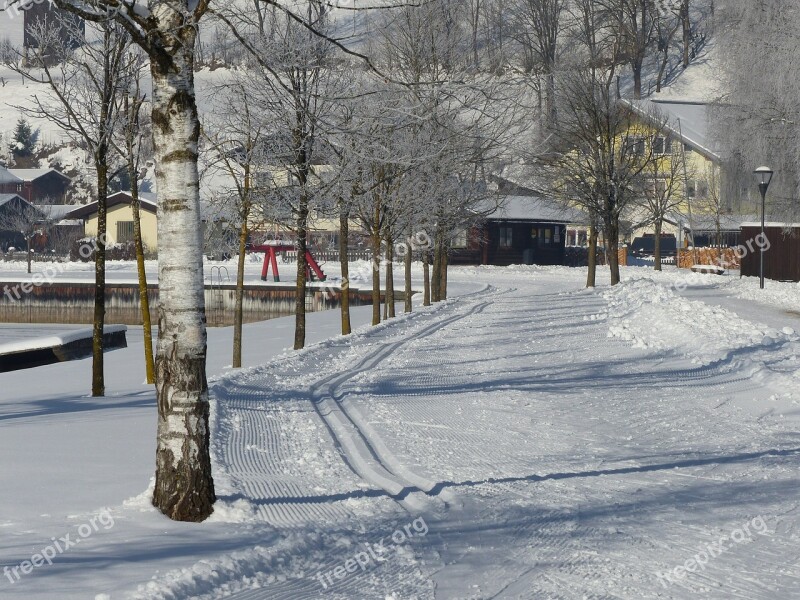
<point x="763" y="175"/>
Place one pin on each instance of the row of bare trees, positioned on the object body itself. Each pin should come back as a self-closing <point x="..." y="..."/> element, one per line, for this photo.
<point x="392" y="155"/>
<point x="410" y="134"/>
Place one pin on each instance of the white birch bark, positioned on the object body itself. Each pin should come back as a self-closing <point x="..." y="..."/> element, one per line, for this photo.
<point x="184" y="487"/>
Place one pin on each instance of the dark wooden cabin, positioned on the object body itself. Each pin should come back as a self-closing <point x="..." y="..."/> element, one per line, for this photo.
<point x="522" y="230"/>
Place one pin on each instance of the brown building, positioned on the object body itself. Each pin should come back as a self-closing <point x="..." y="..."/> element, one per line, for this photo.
<point x="38" y="186"/>
<point x="781" y="250"/>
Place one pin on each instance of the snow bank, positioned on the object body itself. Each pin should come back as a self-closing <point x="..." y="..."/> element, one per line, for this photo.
<point x="783" y="294"/>
<point x="55" y="340"/>
<point x="653" y="316"/>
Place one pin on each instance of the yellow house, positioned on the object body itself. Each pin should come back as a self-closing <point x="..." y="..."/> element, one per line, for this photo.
<point x="119" y="219"/>
<point x="688" y="154"/>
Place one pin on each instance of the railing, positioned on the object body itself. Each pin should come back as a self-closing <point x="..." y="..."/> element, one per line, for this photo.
<point x="323" y="256"/>
<point x="22" y="256"/>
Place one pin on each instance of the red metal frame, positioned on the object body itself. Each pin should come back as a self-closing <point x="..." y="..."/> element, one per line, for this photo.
<point x="270" y="258"/>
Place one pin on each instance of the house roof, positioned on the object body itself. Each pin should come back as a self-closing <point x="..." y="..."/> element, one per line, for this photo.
<point x="146" y="201"/>
<point x="6" y="198"/>
<point x="534" y="208"/>
<point x="7" y="176"/>
<point x="56" y="211"/>
<point x="709" y="223"/>
<point x="34" y="174"/>
<point x="726" y="222"/>
<point x="685" y="119"/>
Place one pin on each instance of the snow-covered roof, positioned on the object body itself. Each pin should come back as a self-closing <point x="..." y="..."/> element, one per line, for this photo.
<point x="143" y="196"/>
<point x="709" y="222"/>
<point x="685" y="119"/>
<point x="56" y="211"/>
<point x="535" y="208"/>
<point x="147" y="202"/>
<point x="7" y="176"/>
<point x="6" y="198"/>
<point x="34" y="174"/>
<point x="781" y="224"/>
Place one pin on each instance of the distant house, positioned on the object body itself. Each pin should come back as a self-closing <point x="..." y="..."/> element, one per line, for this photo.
<point x="10" y="183"/>
<point x="12" y="221"/>
<point x="701" y="192"/>
<point x="520" y="230"/>
<point x="42" y="186"/>
<point x="119" y="219"/>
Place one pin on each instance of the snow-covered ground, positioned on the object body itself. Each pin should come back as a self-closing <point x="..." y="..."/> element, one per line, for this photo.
<point x="527" y="438"/>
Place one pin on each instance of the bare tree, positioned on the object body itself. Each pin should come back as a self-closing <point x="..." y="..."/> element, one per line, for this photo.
<point x="235" y="137"/>
<point x="130" y="149"/>
<point x="757" y="120"/>
<point x="26" y="221"/>
<point x="82" y="98"/>
<point x="605" y="150"/>
<point x="290" y="63"/>
<point x="538" y="24"/>
<point x="635" y="23"/>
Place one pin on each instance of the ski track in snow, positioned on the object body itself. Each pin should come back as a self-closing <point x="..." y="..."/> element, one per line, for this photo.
<point x="559" y="443"/>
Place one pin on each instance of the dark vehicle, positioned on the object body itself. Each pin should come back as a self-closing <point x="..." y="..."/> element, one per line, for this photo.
<point x="645" y="246"/>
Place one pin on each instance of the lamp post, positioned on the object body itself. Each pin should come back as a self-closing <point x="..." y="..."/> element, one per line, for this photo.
<point x="764" y="175"/>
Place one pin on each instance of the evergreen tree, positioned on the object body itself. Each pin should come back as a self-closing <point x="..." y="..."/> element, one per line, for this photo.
<point x="23" y="141"/>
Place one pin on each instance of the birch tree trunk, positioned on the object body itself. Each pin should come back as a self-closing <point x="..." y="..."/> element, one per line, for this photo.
<point x="376" y="278"/>
<point x="344" y="241"/>
<point x="657" y="247"/>
<point x="443" y="274"/>
<point x="302" y="267"/>
<point x="237" y="311"/>
<point x="592" y="260"/>
<point x="426" y="276"/>
<point x="184" y="488"/>
<point x="98" y="320"/>
<point x="407" y="261"/>
<point x="612" y="241"/>
<point x="389" y="302"/>
<point x="436" y="275"/>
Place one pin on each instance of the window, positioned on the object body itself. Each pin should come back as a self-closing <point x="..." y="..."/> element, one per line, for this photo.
<point x="636" y="145"/>
<point x="124" y="231"/>
<point x="702" y="189"/>
<point x="660" y="145"/>
<point x="691" y="188"/>
<point x="262" y="179"/>
<point x="544" y="236"/>
<point x="19" y="187"/>
<point x="505" y="237"/>
<point x="460" y="239"/>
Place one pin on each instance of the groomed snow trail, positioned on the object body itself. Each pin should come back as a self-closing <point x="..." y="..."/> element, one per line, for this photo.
<point x="548" y="456"/>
